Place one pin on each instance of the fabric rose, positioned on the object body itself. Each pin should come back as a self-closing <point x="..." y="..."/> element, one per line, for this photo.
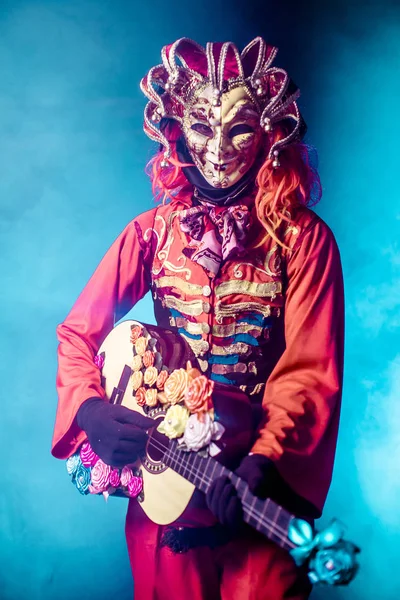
<point x="192" y="371"/>
<point x="151" y="397"/>
<point x="336" y="565"/>
<point x="150" y="375"/>
<point x="126" y="476"/>
<point x="162" y="398"/>
<point x="161" y="379"/>
<point x="101" y="475"/>
<point x="136" y="333"/>
<point x="73" y="463"/>
<point x="174" y="422"/>
<point x="141" y="396"/>
<point x="137" y="379"/>
<point x="94" y="490"/>
<point x="137" y="363"/>
<point x="99" y="361"/>
<point x="198" y="433"/>
<point x="141" y="346"/>
<point x="115" y="479"/>
<point x="175" y="386"/>
<point x="135" y="486"/>
<point x="148" y="358"/>
<point x="82" y="479"/>
<point x="198" y="397"/>
<point x="88" y="455"/>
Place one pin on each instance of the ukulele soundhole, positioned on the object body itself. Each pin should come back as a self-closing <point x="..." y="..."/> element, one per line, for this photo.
<point x="156" y="447"/>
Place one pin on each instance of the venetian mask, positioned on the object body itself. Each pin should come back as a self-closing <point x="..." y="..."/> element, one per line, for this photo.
<point x="223" y="134"/>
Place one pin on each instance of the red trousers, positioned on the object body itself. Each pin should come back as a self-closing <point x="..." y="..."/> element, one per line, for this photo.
<point x="249" y="568"/>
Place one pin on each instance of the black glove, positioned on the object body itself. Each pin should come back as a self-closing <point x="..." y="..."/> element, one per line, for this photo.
<point x="224" y="503"/>
<point x="222" y="498"/>
<point x="258" y="471"/>
<point x="116" y="433"/>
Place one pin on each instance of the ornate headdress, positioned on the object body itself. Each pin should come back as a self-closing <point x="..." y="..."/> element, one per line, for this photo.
<point x="187" y="68"/>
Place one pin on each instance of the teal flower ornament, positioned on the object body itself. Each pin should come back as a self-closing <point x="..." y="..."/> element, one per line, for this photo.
<point x="334" y="566"/>
<point x="82" y="479"/>
<point x="72" y="464"/>
<point x="332" y="560"/>
<point x="80" y="475"/>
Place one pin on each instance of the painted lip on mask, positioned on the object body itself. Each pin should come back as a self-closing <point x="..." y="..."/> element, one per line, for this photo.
<point x="222" y="166"/>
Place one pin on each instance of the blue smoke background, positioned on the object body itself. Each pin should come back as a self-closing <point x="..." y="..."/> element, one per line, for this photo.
<point x="72" y="157"/>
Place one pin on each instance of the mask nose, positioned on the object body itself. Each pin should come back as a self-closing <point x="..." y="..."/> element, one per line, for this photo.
<point x="219" y="147"/>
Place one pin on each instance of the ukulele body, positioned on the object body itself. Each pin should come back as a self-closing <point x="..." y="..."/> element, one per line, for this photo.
<point x="166" y="493"/>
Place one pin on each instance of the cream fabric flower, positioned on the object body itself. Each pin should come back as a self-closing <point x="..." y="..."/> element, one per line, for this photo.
<point x="137" y="363"/>
<point x="141" y="345"/>
<point x="150" y="375"/>
<point x="137" y="379"/>
<point x="151" y="397"/>
<point x="162" y="398"/>
<point x="175" y="386"/>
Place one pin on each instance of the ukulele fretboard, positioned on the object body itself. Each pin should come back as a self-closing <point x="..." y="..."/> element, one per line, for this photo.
<point x="264" y="515"/>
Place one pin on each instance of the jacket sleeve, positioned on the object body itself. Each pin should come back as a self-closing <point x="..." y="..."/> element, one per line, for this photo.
<point x="303" y="392"/>
<point x="120" y="280"/>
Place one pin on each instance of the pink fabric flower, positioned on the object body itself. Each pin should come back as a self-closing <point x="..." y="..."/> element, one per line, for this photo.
<point x="101" y="475"/>
<point x="161" y="379"/>
<point x="141" y="396"/>
<point x="88" y="456"/>
<point x="115" y="479"/>
<point x="94" y="490"/>
<point x="126" y="476"/>
<point x="198" y="397"/>
<point x="99" y="361"/>
<point x="148" y="358"/>
<point x="135" y="486"/>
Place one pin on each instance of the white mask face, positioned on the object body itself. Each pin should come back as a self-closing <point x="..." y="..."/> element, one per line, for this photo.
<point x="224" y="140"/>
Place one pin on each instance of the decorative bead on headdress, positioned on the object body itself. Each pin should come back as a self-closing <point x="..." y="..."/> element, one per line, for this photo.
<point x="187" y="68"/>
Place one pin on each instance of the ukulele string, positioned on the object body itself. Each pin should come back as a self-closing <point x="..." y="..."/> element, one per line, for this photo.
<point x="272" y="526"/>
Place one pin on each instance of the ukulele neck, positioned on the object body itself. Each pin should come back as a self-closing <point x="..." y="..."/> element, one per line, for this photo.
<point x="264" y="515"/>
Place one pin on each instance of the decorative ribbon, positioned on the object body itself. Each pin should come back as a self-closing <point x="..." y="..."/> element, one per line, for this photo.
<point x="301" y="533"/>
<point x="216" y="233"/>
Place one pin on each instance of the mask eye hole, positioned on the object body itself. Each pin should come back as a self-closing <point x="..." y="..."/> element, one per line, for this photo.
<point x="240" y="129"/>
<point x="202" y="128"/>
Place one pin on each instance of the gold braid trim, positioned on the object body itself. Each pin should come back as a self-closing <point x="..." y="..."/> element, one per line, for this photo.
<point x="256" y="390"/>
<point x="262" y="290"/>
<point x="162" y="253"/>
<point x="199" y="347"/>
<point x="193" y="308"/>
<point x="233" y="310"/>
<point x="238" y="348"/>
<point x="225" y="369"/>
<point x="177" y="282"/>
<point x="234" y="328"/>
<point x="194" y="328"/>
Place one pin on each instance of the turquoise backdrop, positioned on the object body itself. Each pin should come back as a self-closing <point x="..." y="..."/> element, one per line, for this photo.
<point x="72" y="158"/>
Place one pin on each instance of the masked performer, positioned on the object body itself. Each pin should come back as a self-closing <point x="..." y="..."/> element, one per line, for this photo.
<point x="251" y="277"/>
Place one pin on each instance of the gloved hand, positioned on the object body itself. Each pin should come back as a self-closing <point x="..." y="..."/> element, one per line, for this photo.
<point x="222" y="498"/>
<point x="116" y="433"/>
<point x="258" y="471"/>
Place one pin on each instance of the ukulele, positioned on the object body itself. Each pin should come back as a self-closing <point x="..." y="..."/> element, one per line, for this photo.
<point x="172" y="472"/>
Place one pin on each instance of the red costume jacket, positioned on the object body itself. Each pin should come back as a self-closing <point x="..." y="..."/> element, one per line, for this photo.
<point x="270" y="321"/>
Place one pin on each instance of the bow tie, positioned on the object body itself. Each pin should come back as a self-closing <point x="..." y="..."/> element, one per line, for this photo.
<point x="217" y="233"/>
